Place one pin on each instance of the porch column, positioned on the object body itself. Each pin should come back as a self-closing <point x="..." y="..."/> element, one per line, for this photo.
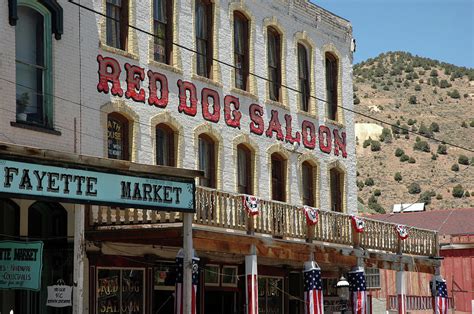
<point x="79" y="258"/>
<point x="188" y="262"/>
<point x="251" y="282"/>
<point x="401" y="292"/>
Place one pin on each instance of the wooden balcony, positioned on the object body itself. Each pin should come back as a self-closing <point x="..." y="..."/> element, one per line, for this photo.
<point x="224" y="212"/>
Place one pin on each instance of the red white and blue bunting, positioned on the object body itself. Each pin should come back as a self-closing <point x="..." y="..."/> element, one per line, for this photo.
<point x="402" y="231"/>
<point x="311" y="215"/>
<point x="251" y="282"/>
<point x="440" y="295"/>
<point x="358" y="223"/>
<point x="179" y="296"/>
<point x="358" y="289"/>
<point x="313" y="289"/>
<point x="251" y="204"/>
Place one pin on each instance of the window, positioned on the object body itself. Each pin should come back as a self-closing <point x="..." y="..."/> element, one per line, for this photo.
<point x="207" y="160"/>
<point x="33" y="65"/>
<point x="229" y="276"/>
<point x="165" y="146"/>
<point x="204" y="38"/>
<point x="337" y="181"/>
<point x="308" y="172"/>
<point x="274" y="63"/>
<point x="163" y="30"/>
<point x="212" y="275"/>
<point x="241" y="50"/>
<point x="117" y="137"/>
<point x="278" y="165"/>
<point x="270" y="296"/>
<point x="372" y="277"/>
<point x="303" y="77"/>
<point x="117" y="23"/>
<point x="331" y="85"/>
<point x="244" y="169"/>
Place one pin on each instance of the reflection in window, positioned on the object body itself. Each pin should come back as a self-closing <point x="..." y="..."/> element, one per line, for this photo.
<point x="337" y="190"/>
<point x="117" y="137"/>
<point x="241" y="50"/>
<point x="270" y="296"/>
<point x="204" y="37"/>
<point x="308" y="184"/>
<point x="117" y="23"/>
<point x="162" y="26"/>
<point x="303" y="77"/>
<point x="331" y="85"/>
<point x="274" y="63"/>
<point x="278" y="165"/>
<point x="207" y="161"/>
<point x="165" y="146"/>
<point x="244" y="169"/>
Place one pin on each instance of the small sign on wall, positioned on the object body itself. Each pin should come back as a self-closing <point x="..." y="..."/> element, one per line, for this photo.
<point x="59" y="296"/>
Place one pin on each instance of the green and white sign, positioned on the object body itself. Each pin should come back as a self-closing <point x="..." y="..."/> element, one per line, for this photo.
<point x="20" y="265"/>
<point x="94" y="187"/>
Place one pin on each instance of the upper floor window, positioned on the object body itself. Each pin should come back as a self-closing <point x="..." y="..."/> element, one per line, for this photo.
<point x="244" y="169"/>
<point x="204" y="37"/>
<point x="33" y="65"/>
<point x="163" y="30"/>
<point x="331" y="85"/>
<point x="303" y="77"/>
<point x="117" y="23"/>
<point x="165" y="146"/>
<point x="207" y="161"/>
<point x="337" y="190"/>
<point x="308" y="179"/>
<point x="241" y="50"/>
<point x="117" y="137"/>
<point x="278" y="166"/>
<point x="274" y="63"/>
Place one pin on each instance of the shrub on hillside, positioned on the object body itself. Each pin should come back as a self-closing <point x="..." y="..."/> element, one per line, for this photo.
<point x="369" y="182"/>
<point x="386" y="135"/>
<point x="360" y="184"/>
<point x="458" y="191"/>
<point x="454" y="94"/>
<point x="399" y="152"/>
<point x="414" y="188"/>
<point x="444" y="84"/>
<point x="434" y="156"/>
<point x="375" y="146"/>
<point x="463" y="160"/>
<point x="464" y="124"/>
<point x="397" y="177"/>
<point x="367" y="142"/>
<point x="422" y="146"/>
<point x="442" y="149"/>
<point x="412" y="100"/>
<point x="356" y="100"/>
<point x="434" y="73"/>
<point x="425" y="131"/>
<point x="411" y="160"/>
<point x="417" y="87"/>
<point x="434" y="127"/>
<point x="377" y="192"/>
<point x="471" y="124"/>
<point x="404" y="158"/>
<point x="455" y="167"/>
<point x="439" y="197"/>
<point x="426" y="196"/>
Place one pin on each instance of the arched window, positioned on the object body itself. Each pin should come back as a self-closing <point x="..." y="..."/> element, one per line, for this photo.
<point x="241" y="50"/>
<point x="303" y="77"/>
<point x="337" y="189"/>
<point x="278" y="164"/>
<point x="332" y="67"/>
<point x="207" y="161"/>
<point x="117" y="23"/>
<point x="204" y="24"/>
<point x="117" y="137"/>
<point x="165" y="146"/>
<point x="33" y="65"/>
<point x="274" y="63"/>
<point x="308" y="172"/>
<point x="163" y="30"/>
<point x="244" y="169"/>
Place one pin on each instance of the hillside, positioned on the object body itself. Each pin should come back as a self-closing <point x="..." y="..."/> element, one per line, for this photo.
<point x="422" y="95"/>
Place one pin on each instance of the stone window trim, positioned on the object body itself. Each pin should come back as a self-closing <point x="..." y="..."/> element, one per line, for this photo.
<point x="314" y="162"/>
<point x="254" y="160"/>
<point x="342" y="170"/>
<point x="167" y="119"/>
<point x="304" y="39"/>
<point x="280" y="149"/>
<point x="216" y="136"/>
<point x="331" y="49"/>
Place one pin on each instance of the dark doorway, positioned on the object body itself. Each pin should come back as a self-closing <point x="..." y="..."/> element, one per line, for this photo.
<point x="218" y="302"/>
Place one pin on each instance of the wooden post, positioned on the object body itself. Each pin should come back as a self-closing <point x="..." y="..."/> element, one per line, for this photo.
<point x="79" y="299"/>
<point x="401" y="291"/>
<point x="309" y="233"/>
<point x="188" y="262"/>
<point x="355" y="239"/>
<point x="250" y="224"/>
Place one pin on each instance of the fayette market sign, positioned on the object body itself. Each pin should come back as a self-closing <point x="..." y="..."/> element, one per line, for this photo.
<point x="32" y="180"/>
<point x="20" y="265"/>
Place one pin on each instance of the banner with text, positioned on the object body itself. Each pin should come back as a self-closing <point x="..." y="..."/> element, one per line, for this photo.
<point x="20" y="265"/>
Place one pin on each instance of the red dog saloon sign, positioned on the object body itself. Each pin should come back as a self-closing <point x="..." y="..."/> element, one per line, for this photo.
<point x="156" y="92"/>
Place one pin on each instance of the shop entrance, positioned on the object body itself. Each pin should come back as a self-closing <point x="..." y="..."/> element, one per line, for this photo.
<point x="218" y="302"/>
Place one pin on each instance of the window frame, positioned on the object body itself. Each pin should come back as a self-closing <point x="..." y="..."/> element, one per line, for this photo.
<point x="274" y="86"/>
<point x="212" y="160"/>
<point x="277" y="157"/>
<point x="337" y="196"/>
<point x="215" y="269"/>
<point x="123" y="21"/>
<point x="245" y="56"/>
<point x="332" y="85"/>
<point x="168" y="39"/>
<point x="372" y="275"/>
<point x="209" y="15"/>
<point x="313" y="187"/>
<point x="126" y="151"/>
<point x="170" y="133"/>
<point x="304" y="82"/>
<point x="249" y="171"/>
<point x="47" y="77"/>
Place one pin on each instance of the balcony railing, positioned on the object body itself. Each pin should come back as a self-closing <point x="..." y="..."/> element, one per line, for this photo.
<point x="225" y="211"/>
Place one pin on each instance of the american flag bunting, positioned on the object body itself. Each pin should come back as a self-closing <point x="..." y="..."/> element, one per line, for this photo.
<point x="251" y="204"/>
<point x="251" y="282"/>
<point x="311" y="215"/>
<point x="358" y="290"/>
<point x="313" y="290"/>
<point x="440" y="296"/>
<point x="179" y="298"/>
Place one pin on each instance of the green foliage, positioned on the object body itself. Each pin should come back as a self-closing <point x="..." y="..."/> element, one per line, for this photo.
<point x="414" y="188"/>
<point x="455" y="167"/>
<point x="458" y="191"/>
<point x="426" y="196"/>
<point x="422" y="146"/>
<point x="464" y="124"/>
<point x="434" y="127"/>
<point x="467" y="194"/>
<point x="411" y="160"/>
<point x="399" y="152"/>
<point x="404" y="158"/>
<point x="397" y="177"/>
<point x="434" y="81"/>
<point x="374" y="86"/>
<point x="434" y="73"/>
<point x="454" y="94"/>
<point x="434" y="156"/>
<point x="369" y="182"/>
<point x="442" y="149"/>
<point x="417" y="87"/>
<point x="374" y="205"/>
<point x="386" y="88"/>
<point x="444" y="84"/>
<point x="439" y="197"/>
<point x="360" y="200"/>
<point x="367" y="142"/>
<point x="471" y="124"/>
<point x="360" y="184"/>
<point x="375" y="146"/>
<point x="377" y="192"/>
<point x="463" y="160"/>
<point x="386" y="135"/>
<point x="412" y="100"/>
<point x="425" y="131"/>
<point x="356" y="100"/>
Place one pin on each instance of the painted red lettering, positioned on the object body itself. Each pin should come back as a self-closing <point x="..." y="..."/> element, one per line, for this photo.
<point x="184" y="88"/>
<point x="257" y="125"/>
<point x="135" y="75"/>
<point x="289" y="138"/>
<point x="232" y="117"/>
<point x="109" y="72"/>
<point x="340" y="143"/>
<point x="274" y="126"/>
<point x="309" y="126"/>
<point x="325" y="139"/>
<point x="207" y="93"/>
<point x="153" y="78"/>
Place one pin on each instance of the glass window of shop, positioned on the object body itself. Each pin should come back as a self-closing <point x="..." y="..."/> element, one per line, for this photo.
<point x="270" y="295"/>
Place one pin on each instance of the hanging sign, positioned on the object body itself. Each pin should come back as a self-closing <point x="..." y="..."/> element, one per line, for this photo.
<point x="59" y="296"/>
<point x="94" y="187"/>
<point x="20" y="265"/>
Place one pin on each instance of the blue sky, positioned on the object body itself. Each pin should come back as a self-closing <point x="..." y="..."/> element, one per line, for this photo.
<point x="437" y="29"/>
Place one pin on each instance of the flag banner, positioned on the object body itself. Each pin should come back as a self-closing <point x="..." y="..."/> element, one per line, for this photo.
<point x="313" y="290"/>
<point x="402" y="231"/>
<point x="440" y="295"/>
<point x="251" y="204"/>
<point x="311" y="215"/>
<point x="358" y="290"/>
<point x="251" y="282"/>
<point x="179" y="296"/>
<point x="358" y="223"/>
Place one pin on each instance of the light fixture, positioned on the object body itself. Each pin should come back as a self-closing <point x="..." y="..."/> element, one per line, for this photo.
<point x="342" y="287"/>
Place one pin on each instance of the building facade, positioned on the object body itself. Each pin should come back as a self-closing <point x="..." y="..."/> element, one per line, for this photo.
<point x="253" y="93"/>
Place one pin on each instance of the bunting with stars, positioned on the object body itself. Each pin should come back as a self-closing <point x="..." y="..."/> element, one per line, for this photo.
<point x="402" y="231"/>
<point x="179" y="297"/>
<point x="440" y="295"/>
<point x="251" y="204"/>
<point x="358" y="290"/>
<point x="313" y="290"/>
